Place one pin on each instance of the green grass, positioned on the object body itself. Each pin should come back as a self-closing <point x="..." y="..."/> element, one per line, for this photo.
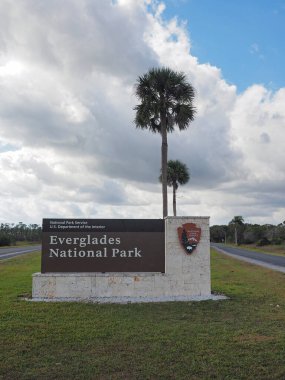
<point x="241" y="338"/>
<point x="272" y="249"/>
<point x="21" y="244"/>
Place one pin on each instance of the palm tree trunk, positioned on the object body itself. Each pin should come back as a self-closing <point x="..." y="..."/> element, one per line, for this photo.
<point x="174" y="200"/>
<point x="164" y="148"/>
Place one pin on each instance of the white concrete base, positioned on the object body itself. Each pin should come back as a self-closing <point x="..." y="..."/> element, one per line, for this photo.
<point x="125" y="300"/>
<point x="186" y="276"/>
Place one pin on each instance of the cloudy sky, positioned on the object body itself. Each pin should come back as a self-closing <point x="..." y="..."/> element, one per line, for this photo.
<point x="68" y="144"/>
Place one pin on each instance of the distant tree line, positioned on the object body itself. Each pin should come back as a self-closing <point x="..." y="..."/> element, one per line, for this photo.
<point x="11" y="233"/>
<point x="239" y="232"/>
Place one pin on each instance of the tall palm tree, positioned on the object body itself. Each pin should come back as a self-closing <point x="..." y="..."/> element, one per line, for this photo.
<point x="166" y="100"/>
<point x="177" y="174"/>
<point x="237" y="221"/>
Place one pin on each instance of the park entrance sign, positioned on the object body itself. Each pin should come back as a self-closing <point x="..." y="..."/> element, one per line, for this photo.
<point x="119" y="260"/>
<point x="103" y="245"/>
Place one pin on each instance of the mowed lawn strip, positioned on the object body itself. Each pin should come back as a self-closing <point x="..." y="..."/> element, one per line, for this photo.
<point x="277" y="250"/>
<point x="240" y="338"/>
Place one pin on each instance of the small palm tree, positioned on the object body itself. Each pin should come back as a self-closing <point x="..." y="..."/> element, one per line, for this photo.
<point x="177" y="174"/>
<point x="166" y="100"/>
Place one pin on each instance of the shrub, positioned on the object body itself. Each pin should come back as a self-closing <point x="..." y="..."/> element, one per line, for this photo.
<point x="4" y="240"/>
<point x="277" y="241"/>
<point x="262" y="242"/>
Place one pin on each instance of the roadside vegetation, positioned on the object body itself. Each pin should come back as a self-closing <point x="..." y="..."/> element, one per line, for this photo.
<point x="238" y="232"/>
<point x="240" y="338"/>
<point x="19" y="234"/>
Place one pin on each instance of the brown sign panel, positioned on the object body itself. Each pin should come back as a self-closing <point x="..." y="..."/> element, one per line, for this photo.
<point x="103" y="245"/>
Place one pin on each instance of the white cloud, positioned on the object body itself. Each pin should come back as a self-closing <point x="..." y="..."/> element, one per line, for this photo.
<point x="68" y="144"/>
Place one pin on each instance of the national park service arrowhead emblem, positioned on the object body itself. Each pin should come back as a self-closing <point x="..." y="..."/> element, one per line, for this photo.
<point x="189" y="236"/>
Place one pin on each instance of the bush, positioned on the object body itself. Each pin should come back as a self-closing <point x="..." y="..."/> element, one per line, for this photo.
<point x="262" y="242"/>
<point x="277" y="241"/>
<point x="5" y="240"/>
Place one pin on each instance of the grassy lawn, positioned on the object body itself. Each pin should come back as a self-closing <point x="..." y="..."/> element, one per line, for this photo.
<point x="278" y="250"/>
<point x="21" y="244"/>
<point x="241" y="338"/>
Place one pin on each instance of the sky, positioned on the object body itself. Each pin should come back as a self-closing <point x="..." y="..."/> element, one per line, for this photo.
<point x="68" y="144"/>
<point x="243" y="38"/>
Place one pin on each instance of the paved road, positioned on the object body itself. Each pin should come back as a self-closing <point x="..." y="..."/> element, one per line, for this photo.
<point x="270" y="261"/>
<point x="8" y="253"/>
